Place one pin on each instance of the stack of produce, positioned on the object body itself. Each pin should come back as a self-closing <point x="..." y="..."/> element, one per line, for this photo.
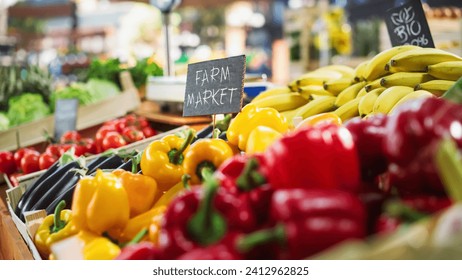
<point x="112" y="134"/>
<point x="374" y="86"/>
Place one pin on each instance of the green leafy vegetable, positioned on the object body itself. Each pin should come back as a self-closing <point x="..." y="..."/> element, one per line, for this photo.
<point x="75" y="90"/>
<point x="101" y="89"/>
<point x="4" y="121"/>
<point x="108" y="70"/>
<point x="26" y="108"/>
<point x="143" y="69"/>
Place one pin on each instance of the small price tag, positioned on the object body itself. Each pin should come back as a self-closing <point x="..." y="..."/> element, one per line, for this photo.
<point x="214" y="87"/>
<point x="65" y="116"/>
<point x="407" y="25"/>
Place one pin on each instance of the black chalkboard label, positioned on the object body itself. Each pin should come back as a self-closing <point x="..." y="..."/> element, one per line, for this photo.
<point x="65" y="116"/>
<point x="407" y="25"/>
<point x="214" y="87"/>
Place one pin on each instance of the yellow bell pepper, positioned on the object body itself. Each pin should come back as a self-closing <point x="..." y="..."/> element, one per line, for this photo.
<point x="261" y="138"/>
<point x="169" y="195"/>
<point x="139" y="222"/>
<point x="97" y="247"/>
<point x="249" y="118"/>
<point x="141" y="190"/>
<point x="100" y="203"/>
<point x="154" y="228"/>
<point x="162" y="160"/>
<point x="204" y="157"/>
<point x="53" y="228"/>
<point x="314" y="120"/>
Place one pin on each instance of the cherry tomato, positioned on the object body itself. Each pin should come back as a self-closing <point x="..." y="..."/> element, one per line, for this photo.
<point x="70" y="137"/>
<point x="14" y="178"/>
<point x="132" y="134"/>
<point x="142" y="122"/>
<point x="78" y="149"/>
<point x="120" y="124"/>
<point x="101" y="134"/>
<point x="113" y="140"/>
<point x="148" y="131"/>
<point x="19" y="154"/>
<point x="53" y="149"/>
<point x="137" y="121"/>
<point x="7" y="164"/>
<point x="46" y="160"/>
<point x="30" y="162"/>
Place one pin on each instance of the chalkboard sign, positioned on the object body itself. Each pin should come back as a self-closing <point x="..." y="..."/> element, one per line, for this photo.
<point x="214" y="86"/>
<point x="407" y="25"/>
<point x="65" y="116"/>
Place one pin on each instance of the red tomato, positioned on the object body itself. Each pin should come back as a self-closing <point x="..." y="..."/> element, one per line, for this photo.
<point x="101" y="134"/>
<point x="30" y="162"/>
<point x="46" y="160"/>
<point x="78" y="149"/>
<point x="148" y="131"/>
<point x="137" y="121"/>
<point x="53" y="149"/>
<point x="70" y="137"/>
<point x="120" y="124"/>
<point x="142" y="122"/>
<point x="89" y="144"/>
<point x="132" y="134"/>
<point x="7" y="164"/>
<point x="19" y="154"/>
<point x="113" y="140"/>
<point x="14" y="178"/>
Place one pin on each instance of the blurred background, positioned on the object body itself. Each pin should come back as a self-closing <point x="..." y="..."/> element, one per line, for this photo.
<point x="281" y="38"/>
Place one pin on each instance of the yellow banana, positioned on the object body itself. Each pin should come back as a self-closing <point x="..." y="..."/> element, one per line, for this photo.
<point x="373" y="85"/>
<point x="348" y="110"/>
<point x="348" y="94"/>
<point x="366" y="103"/>
<point x="413" y="95"/>
<point x="408" y="79"/>
<point x="376" y="66"/>
<point x="449" y="70"/>
<point x="308" y="91"/>
<point x="362" y="92"/>
<point x="346" y="71"/>
<point x="437" y="87"/>
<point x="417" y="60"/>
<point x="317" y="77"/>
<point x="359" y="71"/>
<point x="319" y="105"/>
<point x="271" y="92"/>
<point x="336" y="86"/>
<point x="281" y="102"/>
<point x="389" y="97"/>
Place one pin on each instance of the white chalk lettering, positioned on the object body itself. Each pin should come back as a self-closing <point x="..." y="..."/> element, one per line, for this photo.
<point x="224" y="74"/>
<point x="231" y="97"/>
<point x="213" y="96"/>
<point x="205" y="78"/>
<point x="222" y="94"/>
<point x="190" y="99"/>
<point x="207" y="95"/>
<point x="198" y="76"/>
<point x="215" y="71"/>
<point x="198" y="100"/>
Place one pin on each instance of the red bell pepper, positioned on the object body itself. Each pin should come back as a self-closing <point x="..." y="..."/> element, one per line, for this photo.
<point x="414" y="130"/>
<point x="323" y="156"/>
<point x="309" y="221"/>
<point x="202" y="217"/>
<point x="144" y="250"/>
<point x="368" y="135"/>
<point x="240" y="176"/>
<point x="223" y="250"/>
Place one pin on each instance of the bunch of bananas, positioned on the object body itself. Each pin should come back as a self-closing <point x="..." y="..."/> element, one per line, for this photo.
<point x="378" y="85"/>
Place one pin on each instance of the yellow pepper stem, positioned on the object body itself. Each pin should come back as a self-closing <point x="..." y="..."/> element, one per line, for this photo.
<point x="176" y="156"/>
<point x="58" y="224"/>
<point x="250" y="177"/>
<point x="185" y="180"/>
<point x="207" y="226"/>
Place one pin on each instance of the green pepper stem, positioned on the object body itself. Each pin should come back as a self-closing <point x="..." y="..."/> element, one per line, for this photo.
<point x="185" y="180"/>
<point x="206" y="172"/>
<point x="184" y="146"/>
<point x="137" y="237"/>
<point x="207" y="225"/>
<point x="454" y="94"/>
<point x="58" y="224"/>
<point x="136" y="159"/>
<point x="400" y="210"/>
<point x="250" y="177"/>
<point x="216" y="133"/>
<point x="223" y="124"/>
<point x="248" y="242"/>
